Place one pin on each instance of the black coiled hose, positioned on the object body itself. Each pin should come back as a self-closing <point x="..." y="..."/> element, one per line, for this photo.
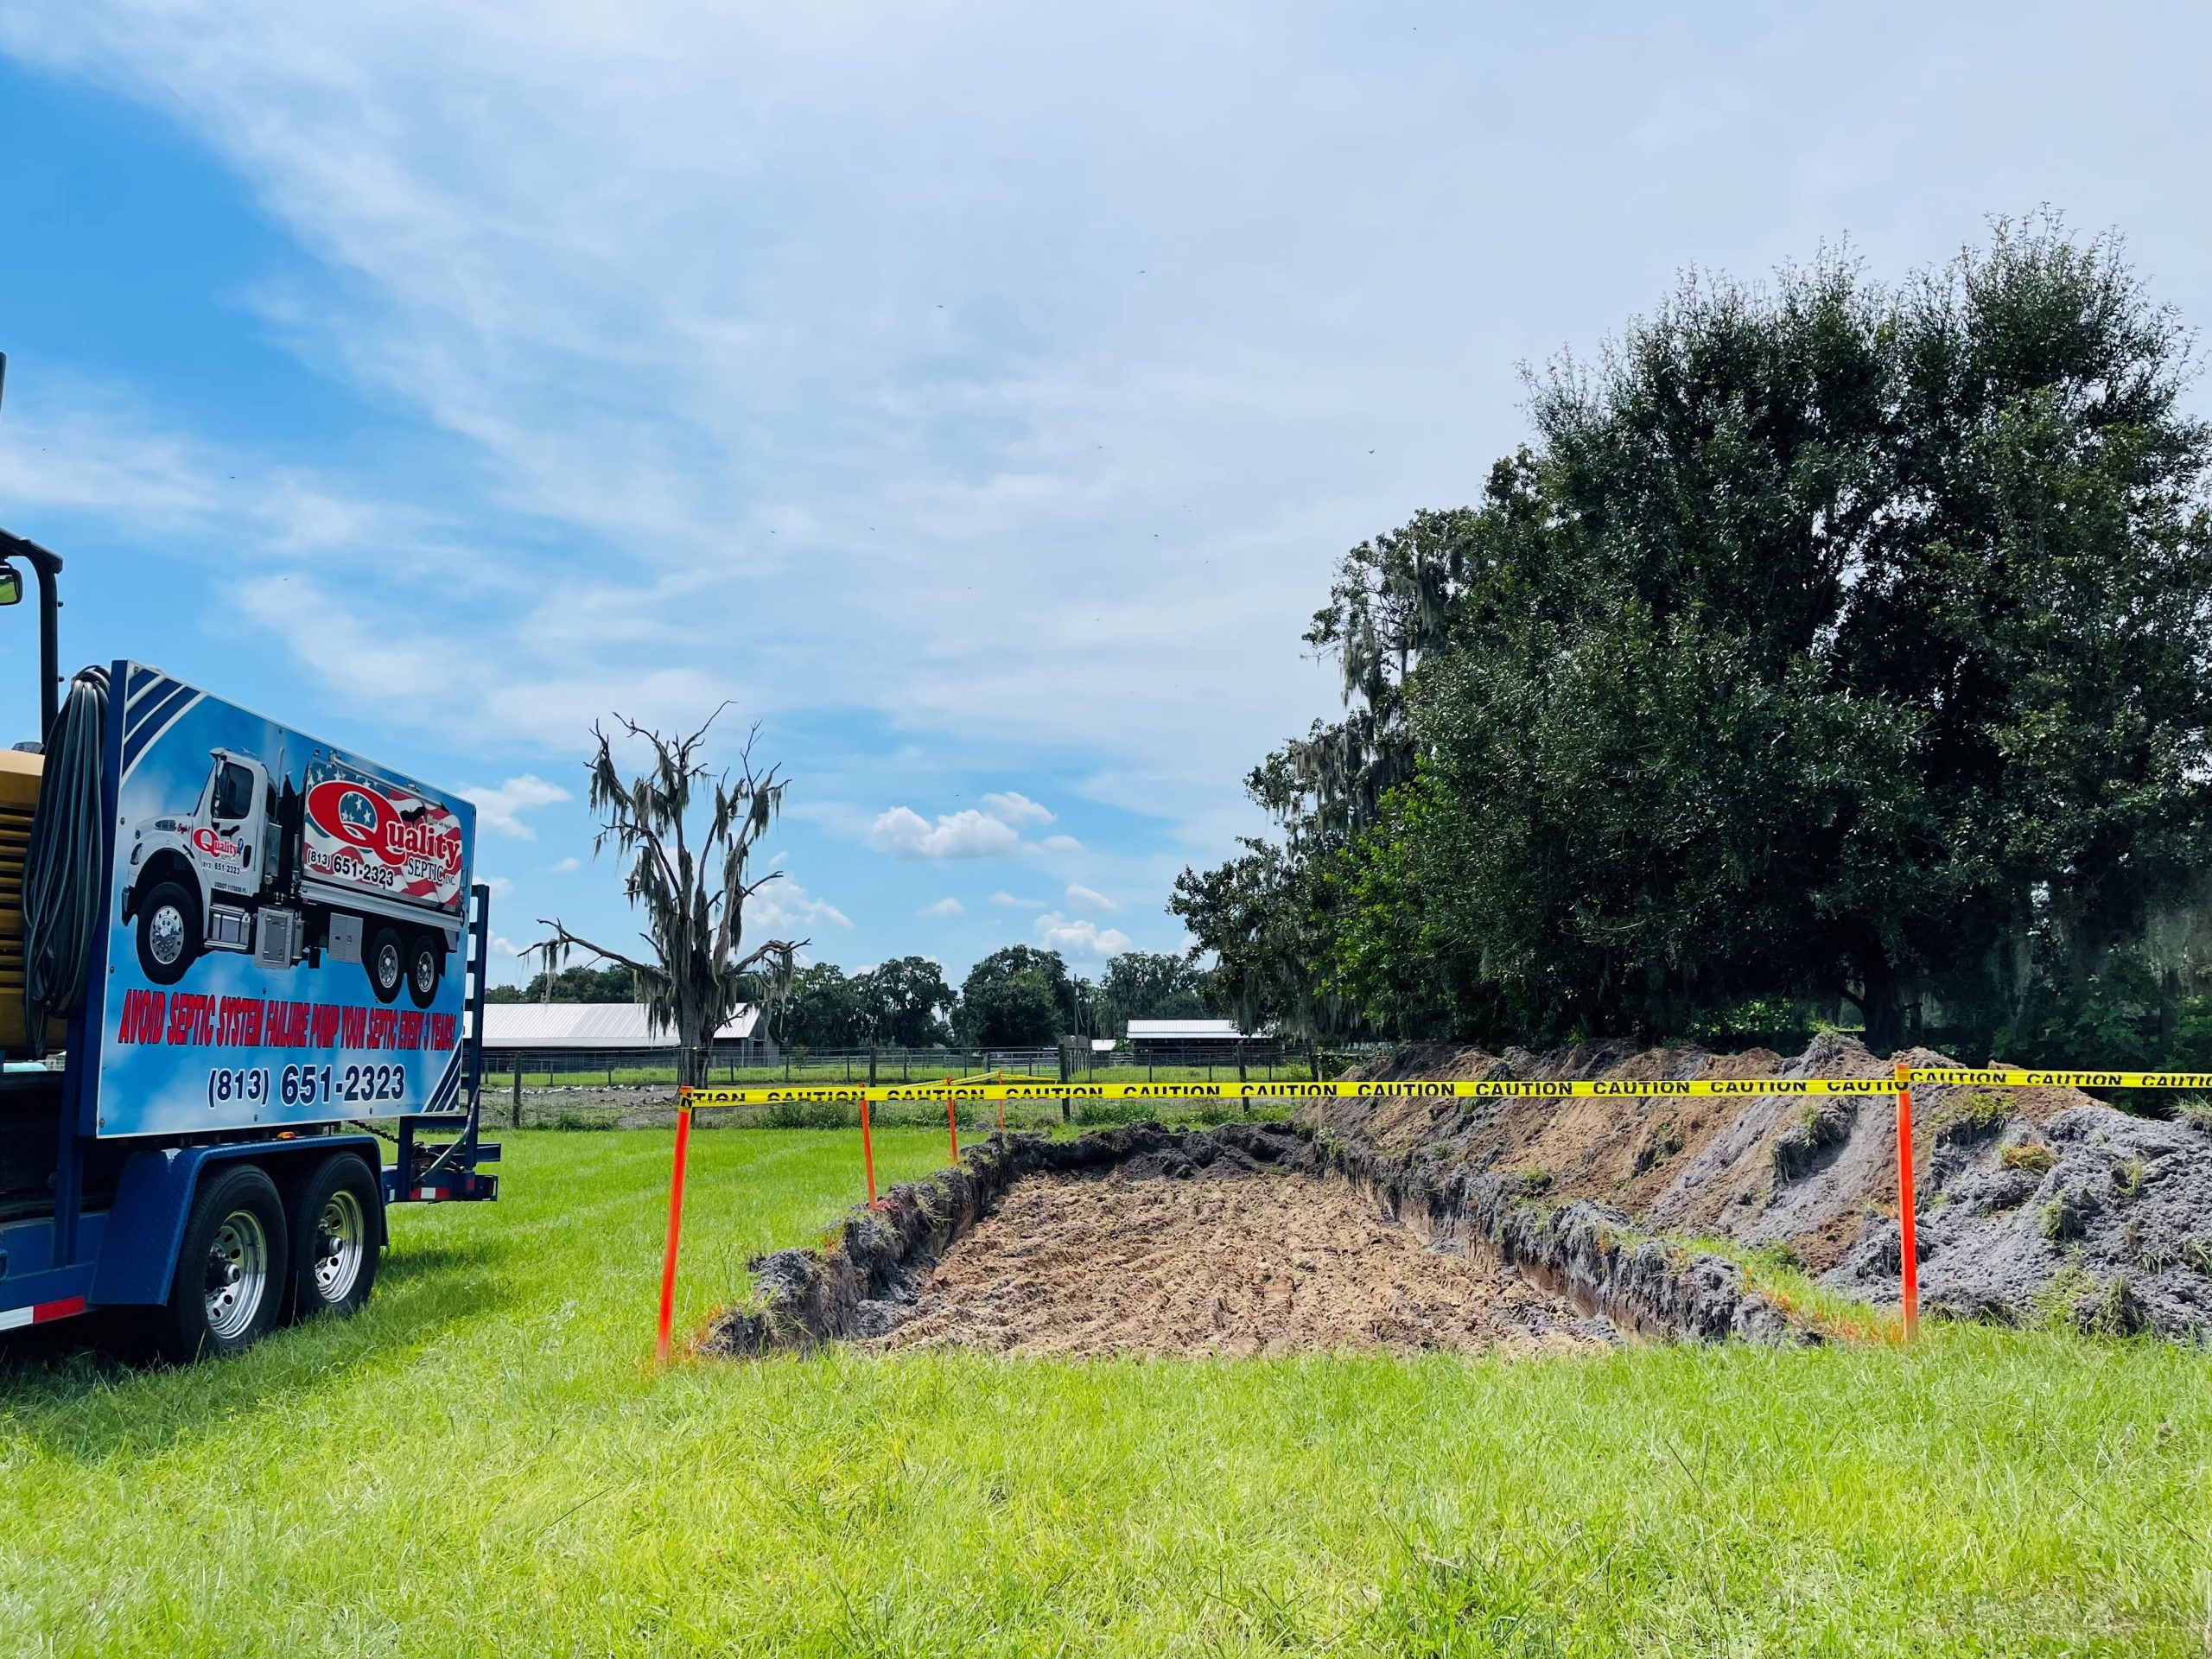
<point x="61" y="869"/>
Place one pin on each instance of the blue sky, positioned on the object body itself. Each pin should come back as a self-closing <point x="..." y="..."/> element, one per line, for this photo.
<point x="978" y="395"/>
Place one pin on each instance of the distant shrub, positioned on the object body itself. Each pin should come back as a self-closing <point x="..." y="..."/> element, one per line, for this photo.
<point x="568" y="1118"/>
<point x="1107" y="1112"/>
<point x="1535" y="1181"/>
<point x="810" y="1114"/>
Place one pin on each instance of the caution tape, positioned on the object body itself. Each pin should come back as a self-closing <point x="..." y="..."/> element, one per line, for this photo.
<point x="1491" y="1088"/>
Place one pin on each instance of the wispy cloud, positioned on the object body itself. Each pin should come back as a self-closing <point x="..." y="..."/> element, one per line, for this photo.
<point x="1011" y="902"/>
<point x="947" y="906"/>
<point x="1084" y="898"/>
<point x="499" y="810"/>
<point x="1016" y="809"/>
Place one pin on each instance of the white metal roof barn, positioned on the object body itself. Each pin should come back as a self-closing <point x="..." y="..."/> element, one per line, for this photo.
<point x="1187" y="1034"/>
<point x="594" y="1028"/>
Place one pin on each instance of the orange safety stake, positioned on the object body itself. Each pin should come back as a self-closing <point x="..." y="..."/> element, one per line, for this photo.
<point x="1907" y="1240"/>
<point x="952" y="1119"/>
<point x="868" y="1153"/>
<point x="675" y="1227"/>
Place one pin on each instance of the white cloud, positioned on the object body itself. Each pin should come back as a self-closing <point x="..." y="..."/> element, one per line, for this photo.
<point x="500" y="809"/>
<point x="786" y="907"/>
<point x="1060" y="844"/>
<point x="944" y="907"/>
<point x="1016" y="809"/>
<point x="1013" y="903"/>
<point x="965" y="834"/>
<point x="1089" y="898"/>
<point x="500" y="886"/>
<point x="1079" y="938"/>
<point x="567" y="864"/>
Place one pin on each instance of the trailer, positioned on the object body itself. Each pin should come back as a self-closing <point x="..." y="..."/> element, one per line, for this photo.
<point x="206" y="922"/>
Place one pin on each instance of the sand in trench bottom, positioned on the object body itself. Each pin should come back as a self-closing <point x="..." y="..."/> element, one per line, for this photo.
<point x="1233" y="1265"/>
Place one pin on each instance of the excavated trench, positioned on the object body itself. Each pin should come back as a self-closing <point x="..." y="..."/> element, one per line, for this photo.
<point x="1251" y="1239"/>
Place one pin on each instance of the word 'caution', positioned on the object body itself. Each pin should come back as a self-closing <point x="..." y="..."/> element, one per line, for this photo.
<point x="1489" y="1088"/>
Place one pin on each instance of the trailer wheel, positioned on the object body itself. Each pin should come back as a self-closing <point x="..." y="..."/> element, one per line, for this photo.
<point x="168" y="932"/>
<point x="426" y="965"/>
<point x="386" y="961"/>
<point x="229" y="1286"/>
<point x="337" y="1232"/>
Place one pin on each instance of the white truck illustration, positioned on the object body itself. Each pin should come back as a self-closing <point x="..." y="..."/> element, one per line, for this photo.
<point x="348" y="863"/>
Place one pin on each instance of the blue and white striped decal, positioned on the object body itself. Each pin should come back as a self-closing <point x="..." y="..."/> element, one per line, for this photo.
<point x="446" y="1097"/>
<point x="152" y="703"/>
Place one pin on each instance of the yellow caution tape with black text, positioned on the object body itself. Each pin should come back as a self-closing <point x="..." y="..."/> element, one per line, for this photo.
<point x="1495" y="1089"/>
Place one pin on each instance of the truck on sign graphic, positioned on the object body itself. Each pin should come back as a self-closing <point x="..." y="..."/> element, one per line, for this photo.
<point x="344" y="862"/>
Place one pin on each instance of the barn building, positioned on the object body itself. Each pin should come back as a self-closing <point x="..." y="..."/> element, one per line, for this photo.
<point x="582" y="1036"/>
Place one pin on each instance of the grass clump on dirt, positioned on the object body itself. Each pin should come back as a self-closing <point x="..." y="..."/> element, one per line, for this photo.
<point x="2030" y="1155"/>
<point x="1977" y="1113"/>
<point x="486" y="1462"/>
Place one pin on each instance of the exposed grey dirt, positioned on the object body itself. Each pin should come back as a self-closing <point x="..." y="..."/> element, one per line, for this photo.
<point x="2032" y="1201"/>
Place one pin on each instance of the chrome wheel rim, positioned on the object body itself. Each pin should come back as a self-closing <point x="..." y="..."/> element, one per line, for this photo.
<point x="426" y="973"/>
<point x="237" y="1275"/>
<point x="340" y="1238"/>
<point x="165" y="935"/>
<point x="388" y="965"/>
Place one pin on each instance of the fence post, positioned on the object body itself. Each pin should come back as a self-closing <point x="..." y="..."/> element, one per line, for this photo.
<point x="868" y="1153"/>
<point x="674" y="1229"/>
<point x="1908" y="1239"/>
<point x="515" y="1110"/>
<point x="952" y="1119"/>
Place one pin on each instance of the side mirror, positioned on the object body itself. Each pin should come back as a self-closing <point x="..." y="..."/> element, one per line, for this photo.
<point x="11" y="584"/>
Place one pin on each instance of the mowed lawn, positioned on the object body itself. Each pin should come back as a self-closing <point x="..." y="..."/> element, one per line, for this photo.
<point x="486" y="1462"/>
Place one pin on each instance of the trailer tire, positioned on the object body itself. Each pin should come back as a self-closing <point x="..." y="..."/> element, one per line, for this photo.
<point x="385" y="962"/>
<point x="337" y="1236"/>
<point x="228" y="1289"/>
<point x="168" y="932"/>
<point x="426" y="966"/>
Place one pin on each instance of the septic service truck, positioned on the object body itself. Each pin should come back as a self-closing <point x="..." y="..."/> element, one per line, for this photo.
<point x="206" y="922"/>
<point x="354" y="864"/>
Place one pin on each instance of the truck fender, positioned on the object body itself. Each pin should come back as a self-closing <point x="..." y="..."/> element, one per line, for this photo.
<point x="166" y="864"/>
<point x="153" y="1199"/>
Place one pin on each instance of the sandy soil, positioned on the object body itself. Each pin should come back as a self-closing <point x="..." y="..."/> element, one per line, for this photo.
<point x="1240" y="1265"/>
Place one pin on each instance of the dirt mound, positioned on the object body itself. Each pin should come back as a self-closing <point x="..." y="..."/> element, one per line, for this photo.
<point x="1128" y="1263"/>
<point x="2030" y="1199"/>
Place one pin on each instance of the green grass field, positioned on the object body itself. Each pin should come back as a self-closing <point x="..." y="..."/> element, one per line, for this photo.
<point x="485" y="1462"/>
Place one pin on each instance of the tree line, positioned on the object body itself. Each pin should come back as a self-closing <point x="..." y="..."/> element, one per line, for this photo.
<point x="1832" y="649"/>
<point x="1017" y="997"/>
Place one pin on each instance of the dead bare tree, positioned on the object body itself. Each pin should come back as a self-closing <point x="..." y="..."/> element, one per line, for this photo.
<point x="694" y="900"/>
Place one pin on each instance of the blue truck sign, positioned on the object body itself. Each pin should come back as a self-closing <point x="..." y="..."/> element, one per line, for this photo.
<point x="284" y="924"/>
